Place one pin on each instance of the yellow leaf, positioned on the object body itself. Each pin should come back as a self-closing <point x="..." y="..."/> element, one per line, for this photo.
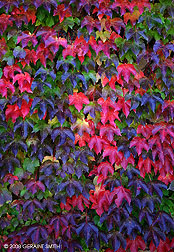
<point x="50" y="158"/>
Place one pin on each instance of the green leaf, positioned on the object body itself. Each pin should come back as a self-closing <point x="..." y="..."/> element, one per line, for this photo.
<point x="38" y="22"/>
<point x="50" y="21"/>
<point x="14" y="222"/>
<point x="15" y="39"/>
<point x="90" y="75"/>
<point x="47" y="194"/>
<point x="120" y="125"/>
<point x="41" y="14"/>
<point x="40" y="195"/>
<point x="27" y="223"/>
<point x="19" y="172"/>
<point x="97" y="221"/>
<point x="77" y="21"/>
<point x="119" y="90"/>
<point x="171" y="31"/>
<point x="39" y="126"/>
<point x="30" y="165"/>
<point x="23" y="192"/>
<point x="1" y="72"/>
<point x="119" y="41"/>
<point x="68" y="22"/>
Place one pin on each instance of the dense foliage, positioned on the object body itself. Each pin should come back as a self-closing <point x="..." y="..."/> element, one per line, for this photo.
<point x="86" y="125"/>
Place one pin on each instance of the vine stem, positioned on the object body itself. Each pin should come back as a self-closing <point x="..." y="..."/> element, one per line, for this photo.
<point x="36" y="30"/>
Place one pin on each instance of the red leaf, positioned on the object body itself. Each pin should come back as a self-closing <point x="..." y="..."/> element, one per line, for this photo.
<point x="112" y="81"/>
<point x="104" y="168"/>
<point x="62" y="12"/>
<point x="123" y="5"/>
<point x="25" y="107"/>
<point x="95" y="46"/>
<point x="122" y="193"/>
<point x="109" y="131"/>
<point x="129" y="160"/>
<point x="114" y="155"/>
<point x="67" y="206"/>
<point x="9" y="71"/>
<point x="43" y="53"/>
<point x="117" y="23"/>
<point x="136" y="244"/>
<point x="82" y="139"/>
<point x="144" y="166"/>
<point x="4" y="22"/>
<point x="53" y="42"/>
<point x="69" y="50"/>
<point x="164" y="129"/>
<point x="166" y="168"/>
<point x="145" y="130"/>
<point x="158" y="149"/>
<point x="97" y="143"/>
<point x="141" y="5"/>
<point x="102" y="46"/>
<point x="106" y="104"/>
<point x="31" y="15"/>
<point x="132" y="17"/>
<point x="140" y="144"/>
<point x="162" y="247"/>
<point x="78" y="99"/>
<point x="110" y="116"/>
<point x="31" y="57"/>
<point x="4" y="85"/>
<point x="81" y="48"/>
<point x="90" y="23"/>
<point x="13" y="112"/>
<point x="19" y="15"/>
<point x="3" y="47"/>
<point x="125" y="70"/>
<point x="101" y="199"/>
<point x="166" y="179"/>
<point x="124" y="105"/>
<point x="24" y="81"/>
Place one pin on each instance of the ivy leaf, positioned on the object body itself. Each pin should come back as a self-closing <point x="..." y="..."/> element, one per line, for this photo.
<point x="16" y="187"/>
<point x="24" y="81"/>
<point x="90" y="23"/>
<point x="140" y="144"/>
<point x="5" y="196"/>
<point x="19" y="52"/>
<point x="104" y="168"/>
<point x="109" y="131"/>
<point x="33" y="186"/>
<point x="117" y="23"/>
<point x="78" y="99"/>
<point x="38" y="233"/>
<point x="25" y="37"/>
<point x="122" y="193"/>
<point x="125" y="70"/>
<point x="115" y="156"/>
<point x="30" y="165"/>
<point x="49" y="21"/>
<point x="97" y="143"/>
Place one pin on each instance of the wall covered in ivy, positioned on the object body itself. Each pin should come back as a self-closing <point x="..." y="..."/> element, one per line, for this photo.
<point x="86" y="125"/>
